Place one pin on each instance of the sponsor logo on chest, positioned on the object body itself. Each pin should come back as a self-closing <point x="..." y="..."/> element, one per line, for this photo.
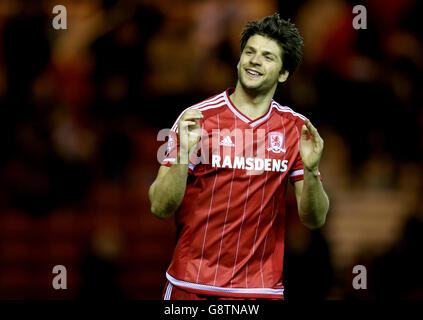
<point x="248" y="160"/>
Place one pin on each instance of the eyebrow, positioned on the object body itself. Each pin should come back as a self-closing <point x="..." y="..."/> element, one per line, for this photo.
<point x="266" y="52"/>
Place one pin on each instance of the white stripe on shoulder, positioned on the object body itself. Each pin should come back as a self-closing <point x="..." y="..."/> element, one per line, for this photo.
<point x="211" y="103"/>
<point x="208" y="101"/>
<point x="221" y="103"/>
<point x="287" y="109"/>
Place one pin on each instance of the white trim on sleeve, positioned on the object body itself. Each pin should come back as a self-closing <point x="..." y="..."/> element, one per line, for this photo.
<point x="297" y="173"/>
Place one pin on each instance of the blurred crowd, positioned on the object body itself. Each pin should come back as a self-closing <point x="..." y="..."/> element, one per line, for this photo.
<point x="81" y="109"/>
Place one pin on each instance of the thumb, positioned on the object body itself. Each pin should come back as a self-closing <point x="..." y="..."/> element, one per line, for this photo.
<point x="305" y="134"/>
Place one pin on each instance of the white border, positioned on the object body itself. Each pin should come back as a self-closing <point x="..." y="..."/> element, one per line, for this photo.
<point x="168" y="291"/>
<point x="197" y="286"/>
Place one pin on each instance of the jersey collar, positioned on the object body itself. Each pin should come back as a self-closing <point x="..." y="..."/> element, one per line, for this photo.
<point x="243" y="117"/>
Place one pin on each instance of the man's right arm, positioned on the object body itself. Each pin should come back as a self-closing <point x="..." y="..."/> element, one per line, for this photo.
<point x="167" y="191"/>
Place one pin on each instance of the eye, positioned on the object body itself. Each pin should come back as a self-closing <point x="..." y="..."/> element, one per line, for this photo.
<point x="269" y="58"/>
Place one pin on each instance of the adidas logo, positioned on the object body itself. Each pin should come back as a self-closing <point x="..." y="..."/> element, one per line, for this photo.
<point x="227" y="142"/>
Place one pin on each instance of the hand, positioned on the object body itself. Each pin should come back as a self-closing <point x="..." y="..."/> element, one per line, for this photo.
<point x="189" y="131"/>
<point x="311" y="147"/>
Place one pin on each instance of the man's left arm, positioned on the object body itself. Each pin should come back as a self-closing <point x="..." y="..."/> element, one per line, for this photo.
<point x="312" y="200"/>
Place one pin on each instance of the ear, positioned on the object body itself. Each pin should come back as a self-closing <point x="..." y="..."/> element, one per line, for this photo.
<point x="237" y="66"/>
<point x="283" y="76"/>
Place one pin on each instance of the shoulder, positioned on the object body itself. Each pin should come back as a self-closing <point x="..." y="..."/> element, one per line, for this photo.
<point x="288" y="113"/>
<point x="211" y="105"/>
<point x="208" y="107"/>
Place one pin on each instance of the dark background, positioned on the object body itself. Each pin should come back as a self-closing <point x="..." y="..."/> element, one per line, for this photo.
<point x="81" y="109"/>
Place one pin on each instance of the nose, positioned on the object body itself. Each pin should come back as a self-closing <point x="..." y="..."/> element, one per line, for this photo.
<point x="255" y="60"/>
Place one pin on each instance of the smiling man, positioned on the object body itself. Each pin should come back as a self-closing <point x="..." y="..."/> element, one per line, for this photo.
<point x="230" y="211"/>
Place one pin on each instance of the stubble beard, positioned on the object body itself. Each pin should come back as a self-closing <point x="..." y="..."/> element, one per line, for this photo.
<point x="254" y="88"/>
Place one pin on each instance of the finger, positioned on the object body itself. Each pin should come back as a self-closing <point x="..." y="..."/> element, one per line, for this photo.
<point x="188" y="123"/>
<point x="313" y="131"/>
<point x="195" y="136"/>
<point x="305" y="133"/>
<point x="310" y="127"/>
<point x="193" y="111"/>
<point x="183" y="126"/>
<point x="192" y="114"/>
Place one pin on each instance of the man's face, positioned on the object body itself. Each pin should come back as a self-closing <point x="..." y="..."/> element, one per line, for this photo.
<point x="260" y="64"/>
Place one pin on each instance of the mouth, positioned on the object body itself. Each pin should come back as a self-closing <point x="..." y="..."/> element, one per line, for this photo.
<point x="253" y="73"/>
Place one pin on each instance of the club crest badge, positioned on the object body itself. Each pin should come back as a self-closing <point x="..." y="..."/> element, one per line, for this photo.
<point x="276" y="142"/>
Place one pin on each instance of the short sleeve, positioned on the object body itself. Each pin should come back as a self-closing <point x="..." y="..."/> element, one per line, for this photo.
<point x="297" y="170"/>
<point x="172" y="149"/>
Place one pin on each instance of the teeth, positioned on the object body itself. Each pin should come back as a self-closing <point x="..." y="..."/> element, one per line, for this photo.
<point x="253" y="72"/>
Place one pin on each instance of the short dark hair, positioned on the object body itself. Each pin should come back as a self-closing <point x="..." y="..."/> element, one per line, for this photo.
<point x="284" y="32"/>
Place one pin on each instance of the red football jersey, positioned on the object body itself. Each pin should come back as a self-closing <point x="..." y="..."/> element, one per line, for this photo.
<point x="231" y="220"/>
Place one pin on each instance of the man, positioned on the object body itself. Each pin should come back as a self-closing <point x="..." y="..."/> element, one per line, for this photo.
<point x="229" y="198"/>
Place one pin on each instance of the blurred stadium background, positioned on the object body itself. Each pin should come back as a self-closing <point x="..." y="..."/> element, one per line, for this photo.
<point x="81" y="109"/>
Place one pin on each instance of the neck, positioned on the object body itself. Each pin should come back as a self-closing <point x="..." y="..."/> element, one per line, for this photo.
<point x="252" y="103"/>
